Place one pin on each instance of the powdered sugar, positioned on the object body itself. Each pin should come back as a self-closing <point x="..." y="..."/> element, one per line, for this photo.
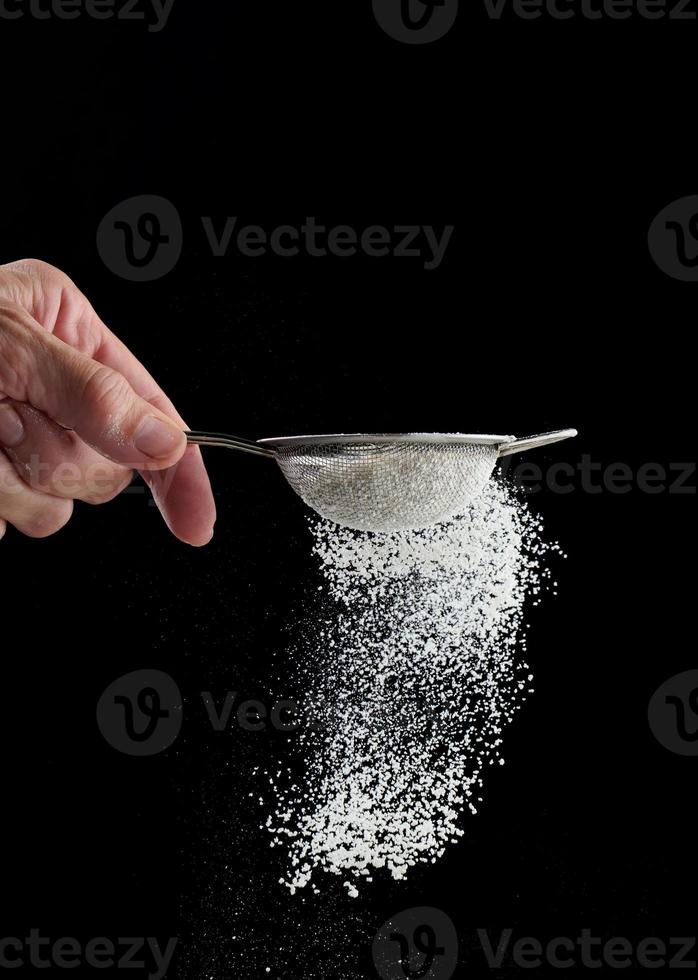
<point x="399" y="484"/>
<point x="412" y="673"/>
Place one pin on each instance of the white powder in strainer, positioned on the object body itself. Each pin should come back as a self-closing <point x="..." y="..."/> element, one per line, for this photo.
<point x="412" y="673"/>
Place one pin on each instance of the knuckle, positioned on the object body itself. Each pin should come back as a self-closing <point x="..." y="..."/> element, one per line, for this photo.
<point x="12" y="316"/>
<point x="102" y="489"/>
<point x="38" y="269"/>
<point x="32" y="265"/>
<point x="15" y="347"/>
<point x="46" y="520"/>
<point x="106" y="391"/>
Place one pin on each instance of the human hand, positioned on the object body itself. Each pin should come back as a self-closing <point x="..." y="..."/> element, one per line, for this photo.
<point x="78" y="413"/>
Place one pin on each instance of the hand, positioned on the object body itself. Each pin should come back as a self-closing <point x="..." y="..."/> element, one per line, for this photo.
<point x="78" y="413"/>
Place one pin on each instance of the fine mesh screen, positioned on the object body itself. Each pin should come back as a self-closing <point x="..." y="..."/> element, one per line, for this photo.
<point x="387" y="486"/>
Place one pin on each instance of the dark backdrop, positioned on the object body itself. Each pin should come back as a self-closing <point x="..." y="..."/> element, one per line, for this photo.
<point x="550" y="146"/>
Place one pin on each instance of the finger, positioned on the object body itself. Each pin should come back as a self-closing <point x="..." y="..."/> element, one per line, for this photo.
<point x="82" y="394"/>
<point x="3" y="528"/>
<point x="183" y="496"/>
<point x="183" y="493"/>
<point x="55" y="460"/>
<point x="33" y="513"/>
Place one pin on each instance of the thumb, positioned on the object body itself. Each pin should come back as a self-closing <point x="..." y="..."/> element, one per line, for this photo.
<point x="82" y="394"/>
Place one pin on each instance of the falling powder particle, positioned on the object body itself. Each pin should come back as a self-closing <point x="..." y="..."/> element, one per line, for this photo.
<point x="411" y="675"/>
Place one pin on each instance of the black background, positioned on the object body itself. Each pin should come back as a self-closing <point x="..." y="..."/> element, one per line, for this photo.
<point x="550" y="146"/>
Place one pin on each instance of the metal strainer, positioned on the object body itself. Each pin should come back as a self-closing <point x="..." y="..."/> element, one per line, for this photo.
<point x="385" y="482"/>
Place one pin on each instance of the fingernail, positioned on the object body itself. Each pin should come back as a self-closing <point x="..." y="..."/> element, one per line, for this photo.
<point x="156" y="438"/>
<point x="11" y="426"/>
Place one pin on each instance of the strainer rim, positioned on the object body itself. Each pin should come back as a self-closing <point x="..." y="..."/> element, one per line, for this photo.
<point x="345" y="439"/>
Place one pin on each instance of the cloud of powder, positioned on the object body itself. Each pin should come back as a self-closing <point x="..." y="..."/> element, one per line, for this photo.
<point x="410" y="676"/>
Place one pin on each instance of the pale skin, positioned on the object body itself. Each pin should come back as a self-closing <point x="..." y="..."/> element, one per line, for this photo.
<point x="79" y="413"/>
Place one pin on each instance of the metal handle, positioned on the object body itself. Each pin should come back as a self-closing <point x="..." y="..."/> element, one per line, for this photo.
<point x="532" y="442"/>
<point x="228" y="442"/>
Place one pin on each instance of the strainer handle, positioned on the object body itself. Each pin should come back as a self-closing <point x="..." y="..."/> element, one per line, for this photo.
<point x="532" y="442"/>
<point x="228" y="442"/>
